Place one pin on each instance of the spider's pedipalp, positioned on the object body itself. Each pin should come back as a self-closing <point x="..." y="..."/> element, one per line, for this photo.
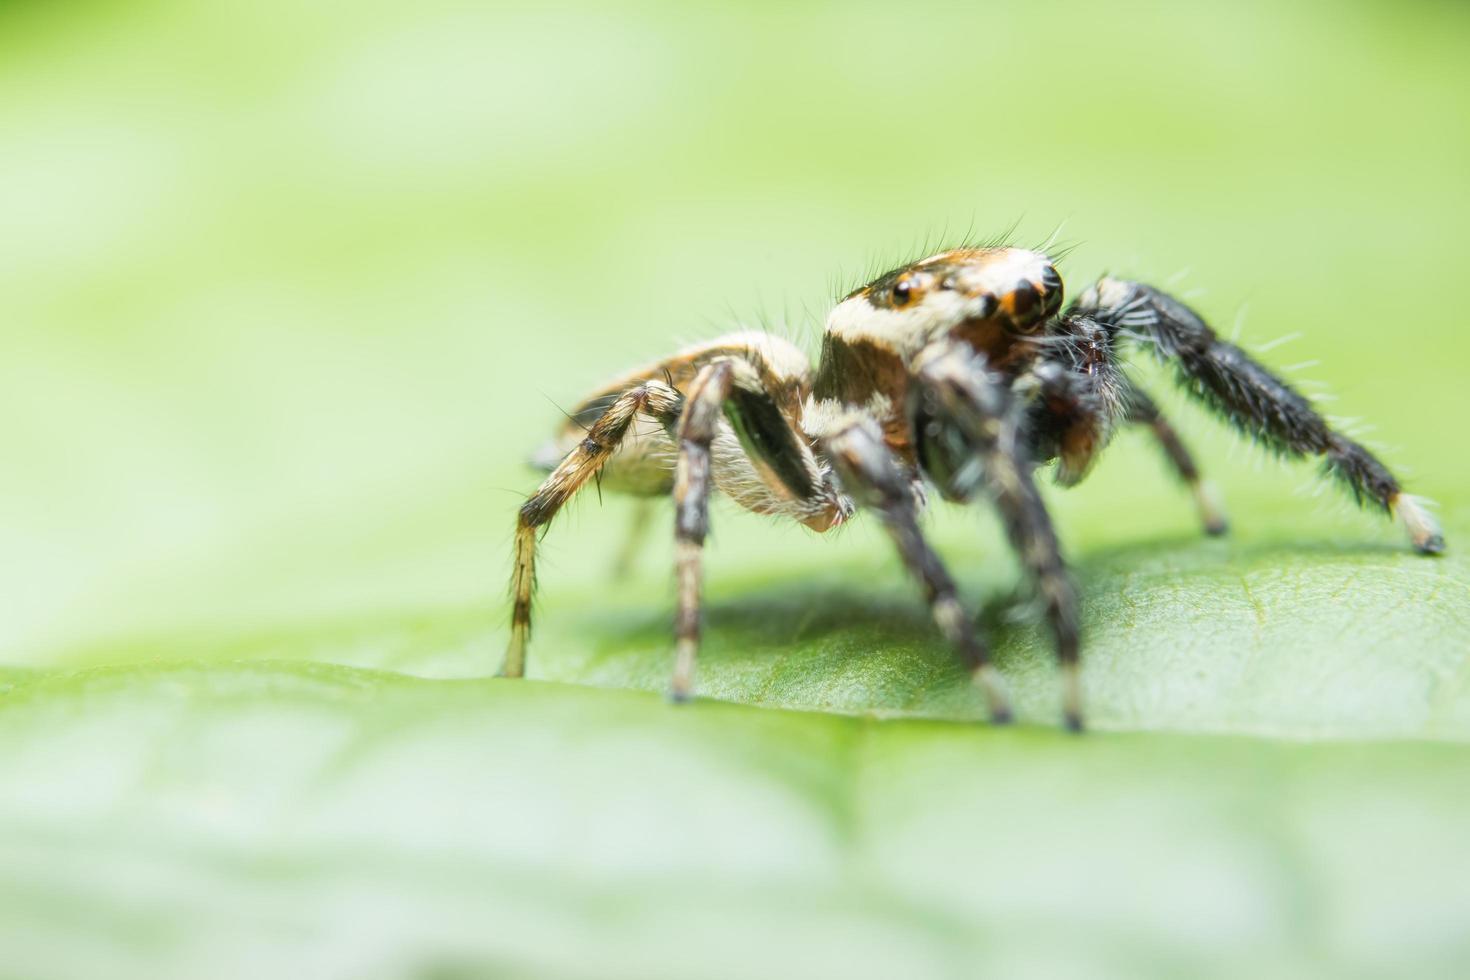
<point x="1075" y="395"/>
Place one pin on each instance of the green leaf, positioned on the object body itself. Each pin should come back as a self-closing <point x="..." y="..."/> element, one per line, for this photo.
<point x="282" y="287"/>
<point x="367" y="823"/>
<point x="266" y="800"/>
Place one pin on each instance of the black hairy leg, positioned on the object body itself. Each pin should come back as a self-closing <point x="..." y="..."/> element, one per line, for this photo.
<point x="652" y="399"/>
<point x="1143" y="410"/>
<point x="971" y="434"/>
<point x="1244" y="392"/>
<point x="696" y="433"/>
<point x="871" y="474"/>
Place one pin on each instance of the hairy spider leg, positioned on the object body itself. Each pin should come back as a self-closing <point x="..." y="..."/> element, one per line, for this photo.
<point x="1245" y="393"/>
<point x="970" y="433"/>
<point x="697" y="428"/>
<point x="1143" y="410"/>
<point x="653" y="399"/>
<point x="870" y="472"/>
<point x="732" y="424"/>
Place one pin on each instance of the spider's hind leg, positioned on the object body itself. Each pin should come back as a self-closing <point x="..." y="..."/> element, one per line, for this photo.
<point x="1237" y="387"/>
<point x="733" y="407"/>
<point x="651" y="398"/>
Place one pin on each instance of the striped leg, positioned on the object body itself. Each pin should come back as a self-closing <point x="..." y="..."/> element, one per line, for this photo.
<point x="966" y="418"/>
<point x="697" y="429"/>
<point x="1143" y="410"/>
<point x="653" y="399"/>
<point x="871" y="474"/>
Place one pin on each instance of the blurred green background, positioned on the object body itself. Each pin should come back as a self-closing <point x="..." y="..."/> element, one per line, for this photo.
<point x="289" y="292"/>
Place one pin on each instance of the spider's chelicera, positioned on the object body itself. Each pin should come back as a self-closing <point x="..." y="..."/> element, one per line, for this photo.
<point x="959" y="372"/>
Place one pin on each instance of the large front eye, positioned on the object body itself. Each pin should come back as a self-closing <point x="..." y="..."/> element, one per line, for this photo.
<point x="903" y="291"/>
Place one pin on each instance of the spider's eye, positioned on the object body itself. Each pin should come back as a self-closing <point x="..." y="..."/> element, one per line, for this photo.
<point x="903" y="291"/>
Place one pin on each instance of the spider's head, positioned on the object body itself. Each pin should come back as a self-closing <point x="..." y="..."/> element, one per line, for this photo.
<point x="1010" y="288"/>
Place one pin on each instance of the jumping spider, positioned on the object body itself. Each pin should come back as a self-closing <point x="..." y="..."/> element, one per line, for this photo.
<point x="959" y="372"/>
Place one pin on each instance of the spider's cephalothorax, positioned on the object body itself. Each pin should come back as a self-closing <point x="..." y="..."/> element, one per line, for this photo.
<point x="961" y="372"/>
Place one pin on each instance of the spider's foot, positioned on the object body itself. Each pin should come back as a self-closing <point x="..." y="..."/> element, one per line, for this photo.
<point x="681" y="686"/>
<point x="989" y="680"/>
<point x="514" y="664"/>
<point x="1433" y="545"/>
<point x="1071" y="698"/>
<point x="1211" y="509"/>
<point x="1421" y="526"/>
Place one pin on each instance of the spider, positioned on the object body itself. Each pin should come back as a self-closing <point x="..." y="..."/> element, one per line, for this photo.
<point x="960" y="372"/>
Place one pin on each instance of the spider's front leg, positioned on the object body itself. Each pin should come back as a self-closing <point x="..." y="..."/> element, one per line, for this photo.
<point x="869" y="471"/>
<point x="1242" y="390"/>
<point x="971" y="433"/>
